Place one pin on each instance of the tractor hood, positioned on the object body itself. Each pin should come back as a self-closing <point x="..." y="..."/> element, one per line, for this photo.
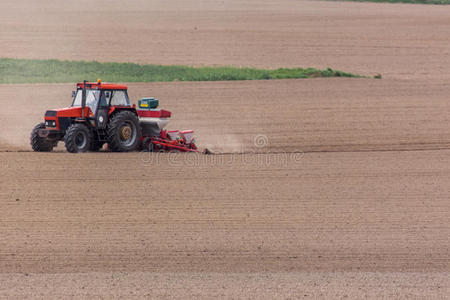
<point x="70" y="112"/>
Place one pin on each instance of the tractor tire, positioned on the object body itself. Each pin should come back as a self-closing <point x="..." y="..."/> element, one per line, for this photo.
<point x="38" y="143"/>
<point x="123" y="132"/>
<point x="77" y="138"/>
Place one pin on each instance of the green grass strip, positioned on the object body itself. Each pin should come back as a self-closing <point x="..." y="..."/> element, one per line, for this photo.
<point x="436" y="2"/>
<point x="57" y="71"/>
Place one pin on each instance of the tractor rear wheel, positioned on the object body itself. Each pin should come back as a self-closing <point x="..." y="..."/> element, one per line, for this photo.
<point x="124" y="132"/>
<point x="38" y="143"/>
<point x="77" y="138"/>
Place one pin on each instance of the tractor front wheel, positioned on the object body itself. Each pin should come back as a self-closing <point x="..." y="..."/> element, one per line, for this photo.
<point x="77" y="138"/>
<point x="123" y="132"/>
<point x="40" y="144"/>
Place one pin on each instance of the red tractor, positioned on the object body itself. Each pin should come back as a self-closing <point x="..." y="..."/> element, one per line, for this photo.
<point x="100" y="113"/>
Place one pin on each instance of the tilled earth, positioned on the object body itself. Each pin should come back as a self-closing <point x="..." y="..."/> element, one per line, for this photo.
<point x="396" y="40"/>
<point x="328" y="188"/>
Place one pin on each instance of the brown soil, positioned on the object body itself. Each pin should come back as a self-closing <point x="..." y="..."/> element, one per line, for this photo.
<point x="398" y="41"/>
<point x="347" y="197"/>
<point x="294" y="115"/>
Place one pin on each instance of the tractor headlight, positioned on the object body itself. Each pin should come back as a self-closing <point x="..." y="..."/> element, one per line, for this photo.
<point x="50" y="123"/>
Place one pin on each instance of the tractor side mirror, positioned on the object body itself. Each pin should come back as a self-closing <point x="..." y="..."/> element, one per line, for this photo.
<point x="73" y="94"/>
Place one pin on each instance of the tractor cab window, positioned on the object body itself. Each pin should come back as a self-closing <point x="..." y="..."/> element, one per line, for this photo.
<point x="120" y="98"/>
<point x="104" y="99"/>
<point x="91" y="99"/>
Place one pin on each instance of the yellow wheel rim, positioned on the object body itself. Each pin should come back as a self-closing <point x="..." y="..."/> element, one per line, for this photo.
<point x="125" y="133"/>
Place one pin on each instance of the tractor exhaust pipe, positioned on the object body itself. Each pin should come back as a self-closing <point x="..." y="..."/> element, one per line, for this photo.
<point x="83" y="99"/>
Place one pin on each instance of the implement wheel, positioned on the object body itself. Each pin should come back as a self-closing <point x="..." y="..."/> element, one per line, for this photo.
<point x="147" y="145"/>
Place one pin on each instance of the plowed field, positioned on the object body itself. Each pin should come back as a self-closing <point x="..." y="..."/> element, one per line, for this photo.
<point x="325" y="188"/>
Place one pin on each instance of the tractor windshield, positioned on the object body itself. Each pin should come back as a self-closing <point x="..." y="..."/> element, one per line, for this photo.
<point x="91" y="99"/>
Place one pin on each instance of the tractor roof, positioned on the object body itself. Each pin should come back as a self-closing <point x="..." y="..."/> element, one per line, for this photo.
<point x="102" y="86"/>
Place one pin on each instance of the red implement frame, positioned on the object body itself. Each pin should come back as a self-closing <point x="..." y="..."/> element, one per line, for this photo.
<point x="163" y="143"/>
<point x="168" y="145"/>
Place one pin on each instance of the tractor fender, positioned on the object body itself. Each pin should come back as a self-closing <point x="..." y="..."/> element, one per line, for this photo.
<point x="115" y="109"/>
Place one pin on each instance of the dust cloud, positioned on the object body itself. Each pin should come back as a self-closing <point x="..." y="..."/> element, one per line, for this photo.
<point x="226" y="143"/>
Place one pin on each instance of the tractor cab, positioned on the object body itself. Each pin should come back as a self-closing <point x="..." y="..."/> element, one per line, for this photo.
<point x="106" y="94"/>
<point x="101" y="99"/>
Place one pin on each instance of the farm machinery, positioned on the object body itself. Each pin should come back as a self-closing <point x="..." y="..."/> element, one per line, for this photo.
<point x="101" y="114"/>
